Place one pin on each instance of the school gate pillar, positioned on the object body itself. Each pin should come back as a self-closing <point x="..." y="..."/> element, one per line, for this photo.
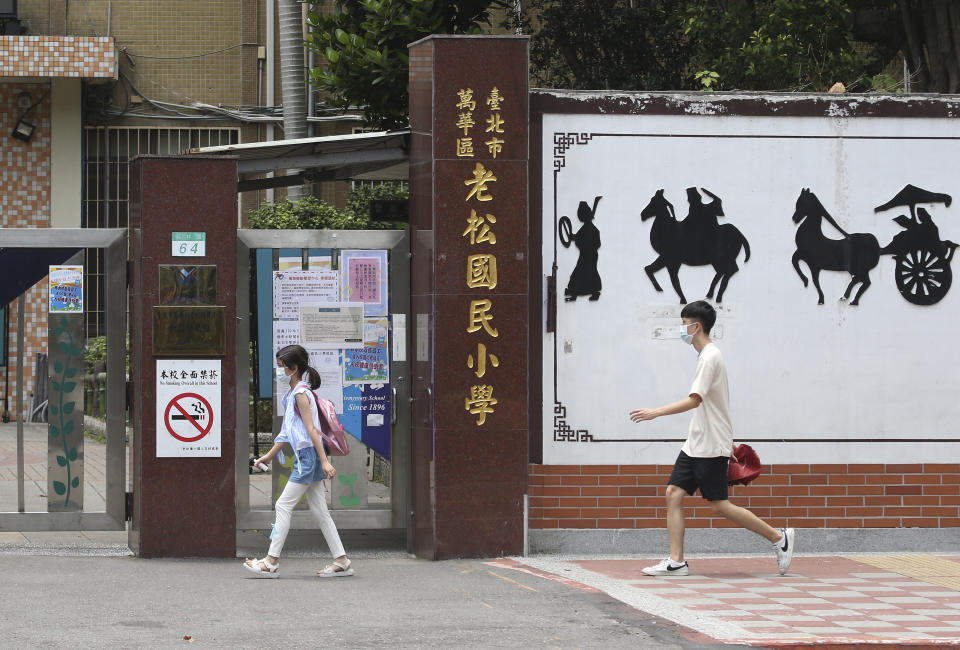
<point x="468" y="213"/>
<point x="183" y="243"/>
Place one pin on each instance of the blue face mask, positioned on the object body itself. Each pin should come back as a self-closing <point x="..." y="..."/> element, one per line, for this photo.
<point x="687" y="337"/>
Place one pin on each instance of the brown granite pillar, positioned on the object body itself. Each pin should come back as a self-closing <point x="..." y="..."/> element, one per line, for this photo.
<point x="182" y="506"/>
<point x="468" y="177"/>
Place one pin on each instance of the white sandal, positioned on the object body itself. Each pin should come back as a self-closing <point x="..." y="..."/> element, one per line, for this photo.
<point x="337" y="570"/>
<point x="262" y="568"/>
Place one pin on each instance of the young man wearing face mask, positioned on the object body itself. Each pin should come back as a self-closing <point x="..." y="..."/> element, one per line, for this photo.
<point x="702" y="462"/>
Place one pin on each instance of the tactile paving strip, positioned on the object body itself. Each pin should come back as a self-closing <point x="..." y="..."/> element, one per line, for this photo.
<point x="929" y="568"/>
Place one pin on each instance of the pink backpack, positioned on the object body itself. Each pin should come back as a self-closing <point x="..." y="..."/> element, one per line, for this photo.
<point x="331" y="431"/>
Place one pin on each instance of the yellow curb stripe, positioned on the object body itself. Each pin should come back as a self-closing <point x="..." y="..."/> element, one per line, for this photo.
<point x="928" y="568"/>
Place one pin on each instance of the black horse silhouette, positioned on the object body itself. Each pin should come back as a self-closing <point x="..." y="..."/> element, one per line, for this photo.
<point x="856" y="254"/>
<point x="585" y="279"/>
<point x="697" y="240"/>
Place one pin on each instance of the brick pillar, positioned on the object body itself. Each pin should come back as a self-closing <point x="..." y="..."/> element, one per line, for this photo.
<point x="182" y="506"/>
<point x="468" y="177"/>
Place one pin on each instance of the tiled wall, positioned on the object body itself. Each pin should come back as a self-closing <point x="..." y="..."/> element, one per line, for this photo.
<point x="25" y="203"/>
<point x="57" y="56"/>
<point x="802" y="496"/>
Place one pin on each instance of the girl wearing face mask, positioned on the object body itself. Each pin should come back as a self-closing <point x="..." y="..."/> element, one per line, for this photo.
<point x="301" y="431"/>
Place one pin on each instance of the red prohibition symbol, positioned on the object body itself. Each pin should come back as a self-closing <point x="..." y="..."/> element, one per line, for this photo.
<point x="201" y="417"/>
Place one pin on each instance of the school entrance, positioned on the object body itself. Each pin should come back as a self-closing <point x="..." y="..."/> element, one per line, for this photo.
<point x="345" y="296"/>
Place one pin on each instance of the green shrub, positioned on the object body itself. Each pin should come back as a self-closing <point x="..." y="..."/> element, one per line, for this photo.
<point x="310" y="213"/>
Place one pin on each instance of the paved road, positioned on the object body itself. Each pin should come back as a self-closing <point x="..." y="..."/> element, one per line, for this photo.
<point x="392" y="602"/>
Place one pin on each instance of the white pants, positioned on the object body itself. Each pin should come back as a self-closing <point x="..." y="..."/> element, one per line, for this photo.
<point x="316" y="499"/>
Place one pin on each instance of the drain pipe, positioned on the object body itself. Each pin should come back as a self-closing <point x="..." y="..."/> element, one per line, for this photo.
<point x="271" y="77"/>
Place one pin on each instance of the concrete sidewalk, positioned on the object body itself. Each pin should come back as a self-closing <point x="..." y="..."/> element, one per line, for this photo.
<point x="91" y="592"/>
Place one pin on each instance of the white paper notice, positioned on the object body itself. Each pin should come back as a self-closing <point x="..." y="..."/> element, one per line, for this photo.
<point x="331" y="325"/>
<point x="399" y="337"/>
<point x="285" y="332"/>
<point x="327" y="363"/>
<point x="292" y="287"/>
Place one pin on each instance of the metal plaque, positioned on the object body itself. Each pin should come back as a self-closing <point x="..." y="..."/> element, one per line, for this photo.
<point x="188" y="284"/>
<point x="189" y="331"/>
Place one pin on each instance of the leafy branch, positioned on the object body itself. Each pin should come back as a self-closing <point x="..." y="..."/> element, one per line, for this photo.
<point x="65" y="427"/>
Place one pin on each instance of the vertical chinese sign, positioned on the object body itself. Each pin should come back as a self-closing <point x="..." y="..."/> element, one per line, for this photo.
<point x="478" y="215"/>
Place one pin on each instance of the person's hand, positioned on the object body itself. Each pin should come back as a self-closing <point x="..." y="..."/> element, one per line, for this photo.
<point x="328" y="469"/>
<point x="639" y="415"/>
<point x="262" y="460"/>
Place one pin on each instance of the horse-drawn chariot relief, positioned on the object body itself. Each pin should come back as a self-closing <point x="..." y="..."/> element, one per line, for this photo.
<point x="923" y="275"/>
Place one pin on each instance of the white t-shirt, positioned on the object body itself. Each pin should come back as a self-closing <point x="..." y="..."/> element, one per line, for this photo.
<point x="711" y="430"/>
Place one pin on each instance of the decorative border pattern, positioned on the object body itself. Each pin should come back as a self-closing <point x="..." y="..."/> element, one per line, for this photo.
<point x="562" y="142"/>
<point x="563" y="432"/>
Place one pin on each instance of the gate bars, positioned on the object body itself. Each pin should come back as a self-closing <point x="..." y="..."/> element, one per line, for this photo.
<point x="114" y="242"/>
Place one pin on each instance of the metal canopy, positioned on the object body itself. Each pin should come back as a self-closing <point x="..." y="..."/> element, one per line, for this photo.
<point x="381" y="155"/>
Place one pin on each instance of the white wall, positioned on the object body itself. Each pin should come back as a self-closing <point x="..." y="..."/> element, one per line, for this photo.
<point x="886" y="369"/>
<point x="65" y="153"/>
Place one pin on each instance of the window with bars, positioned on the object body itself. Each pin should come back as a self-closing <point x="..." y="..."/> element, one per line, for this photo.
<point x="106" y="155"/>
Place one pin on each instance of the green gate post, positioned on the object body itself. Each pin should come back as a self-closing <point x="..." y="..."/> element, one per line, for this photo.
<point x="183" y="502"/>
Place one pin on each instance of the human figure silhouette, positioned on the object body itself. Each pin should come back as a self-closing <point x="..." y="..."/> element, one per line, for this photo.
<point x="585" y="279"/>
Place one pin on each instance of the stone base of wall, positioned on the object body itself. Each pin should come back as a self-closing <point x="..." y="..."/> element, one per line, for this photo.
<point x="711" y="541"/>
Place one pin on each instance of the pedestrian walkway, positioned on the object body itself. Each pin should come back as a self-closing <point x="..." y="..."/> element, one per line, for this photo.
<point x="823" y="600"/>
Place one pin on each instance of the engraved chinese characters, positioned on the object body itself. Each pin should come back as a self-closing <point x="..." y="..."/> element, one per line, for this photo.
<point x="467" y="105"/>
<point x="481" y="262"/>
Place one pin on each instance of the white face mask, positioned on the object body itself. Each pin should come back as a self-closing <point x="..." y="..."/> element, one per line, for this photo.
<point x="281" y="374"/>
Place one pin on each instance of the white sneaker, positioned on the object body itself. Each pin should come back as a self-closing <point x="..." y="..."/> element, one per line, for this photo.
<point x="784" y="550"/>
<point x="668" y="568"/>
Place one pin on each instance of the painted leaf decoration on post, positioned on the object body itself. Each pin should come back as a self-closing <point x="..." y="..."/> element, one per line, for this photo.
<point x="75" y="482"/>
<point x="69" y="372"/>
<point x="68" y="427"/>
<point x="54" y="410"/>
<point x="61" y="461"/>
<point x="69" y="386"/>
<point x="72" y="454"/>
<point x="67" y="408"/>
<point x="54" y="431"/>
<point x="57" y="367"/>
<point x="56" y="386"/>
<point x="59" y="487"/>
<point x="65" y="348"/>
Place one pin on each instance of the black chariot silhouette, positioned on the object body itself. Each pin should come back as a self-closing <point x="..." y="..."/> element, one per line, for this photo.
<point x="697" y="240"/>
<point x="923" y="275"/>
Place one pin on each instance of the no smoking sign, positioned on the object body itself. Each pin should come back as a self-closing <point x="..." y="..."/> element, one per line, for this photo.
<point x="188" y="417"/>
<point x="188" y="408"/>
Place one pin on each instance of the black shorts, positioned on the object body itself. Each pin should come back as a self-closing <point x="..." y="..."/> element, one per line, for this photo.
<point x="708" y="474"/>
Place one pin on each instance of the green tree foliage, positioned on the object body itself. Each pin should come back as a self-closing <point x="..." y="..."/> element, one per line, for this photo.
<point x="364" y="47"/>
<point x="699" y="44"/>
<point x="617" y="44"/>
<point x="780" y="44"/>
<point x="311" y="213"/>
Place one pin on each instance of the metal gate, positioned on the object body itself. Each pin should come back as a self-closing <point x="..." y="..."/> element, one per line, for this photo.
<point x="371" y="489"/>
<point x="50" y="487"/>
